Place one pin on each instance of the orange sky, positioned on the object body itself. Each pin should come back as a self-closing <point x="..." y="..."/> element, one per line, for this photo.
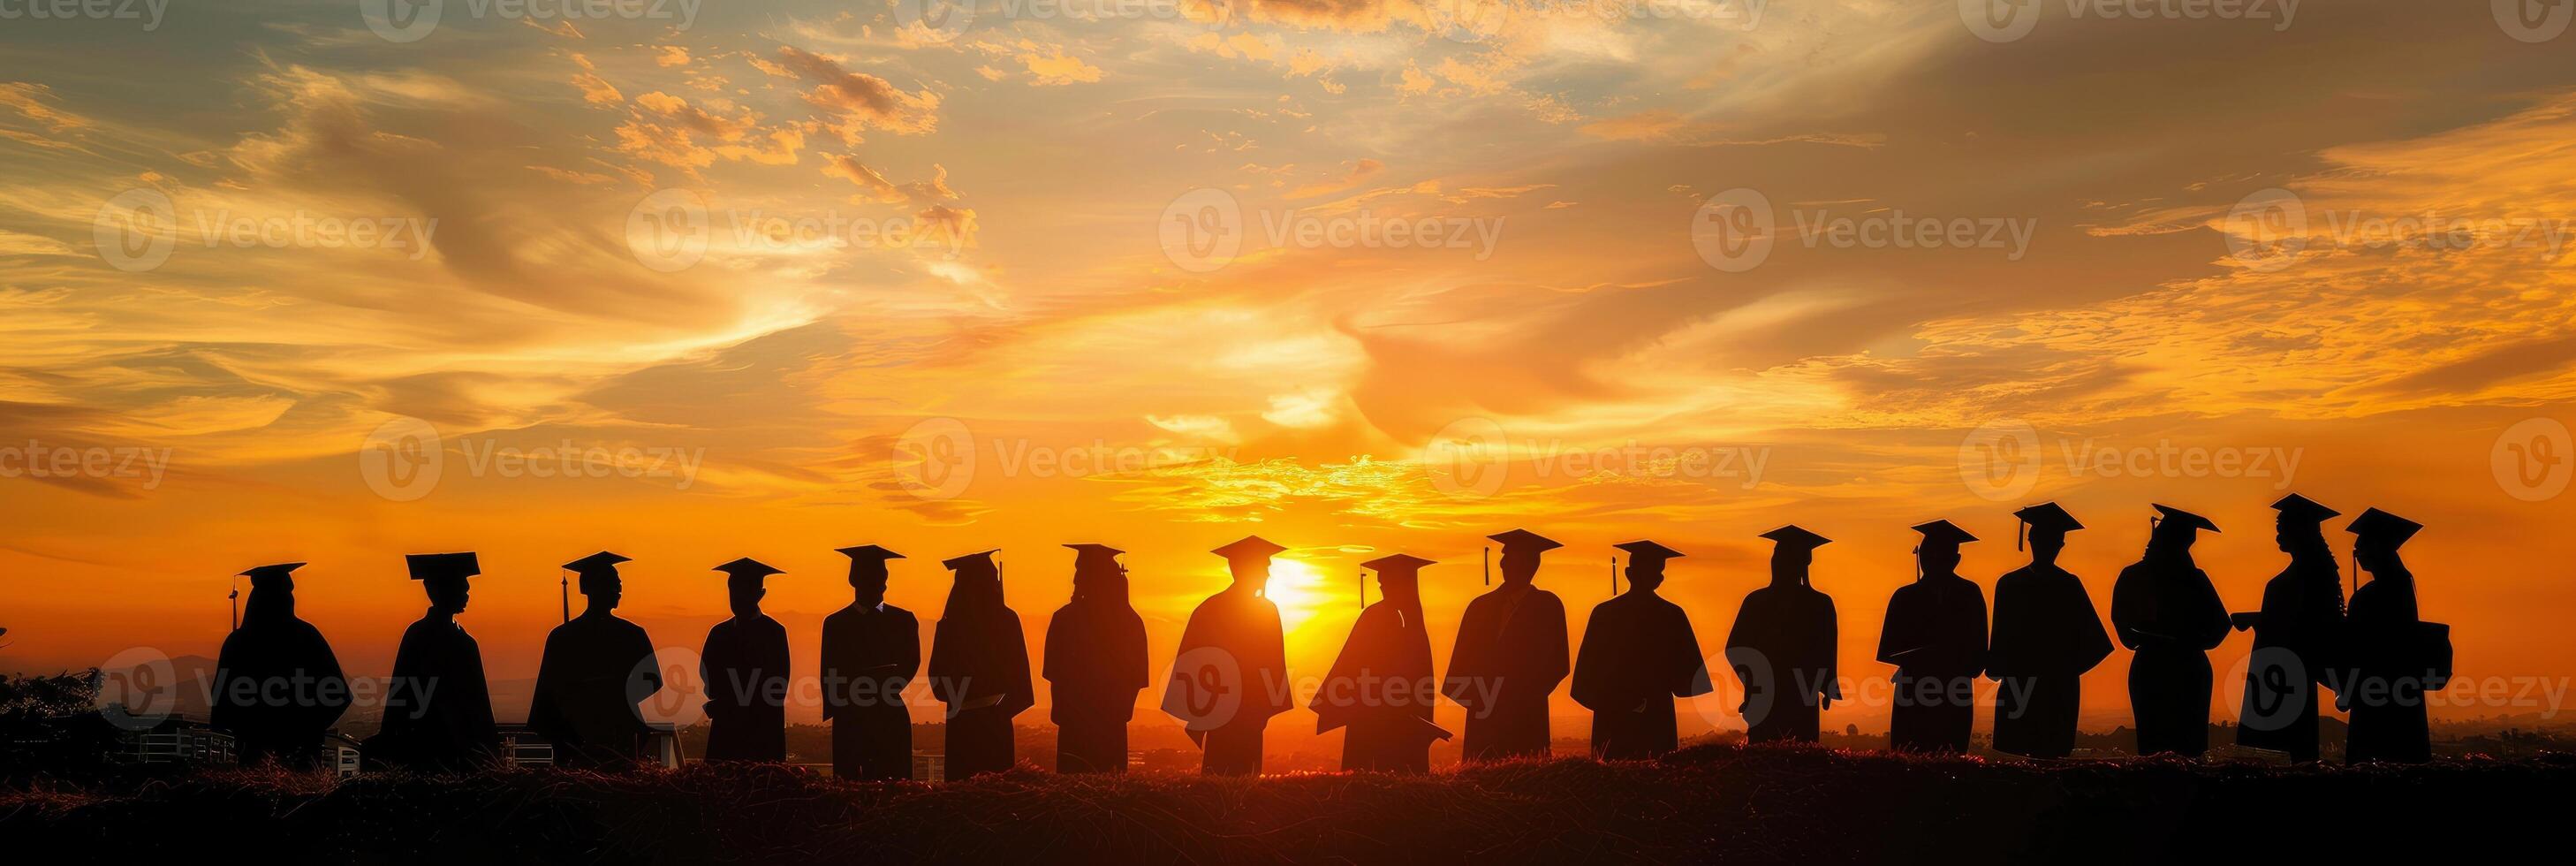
<point x="768" y="384"/>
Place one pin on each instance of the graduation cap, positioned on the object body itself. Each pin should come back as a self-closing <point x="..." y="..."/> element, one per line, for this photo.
<point x="1943" y="533"/>
<point x="1095" y="554"/>
<point x="971" y="560"/>
<point x="425" y="566"/>
<point x="1795" y="537"/>
<point x="2382" y="529"/>
<point x="1250" y="547"/>
<point x="279" y="570"/>
<point x="1647" y="550"/>
<point x="868" y="553"/>
<point x="1397" y="566"/>
<point x="2188" y="519"/>
<point x="2045" y="517"/>
<point x="745" y="573"/>
<point x="2303" y="509"/>
<point x="1521" y="540"/>
<point x="597" y="566"/>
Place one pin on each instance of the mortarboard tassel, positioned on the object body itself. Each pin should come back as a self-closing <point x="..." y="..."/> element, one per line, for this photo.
<point x="1489" y="566"/>
<point x="1614" y="577"/>
<point x="1363" y="590"/>
<point x="236" y="598"/>
<point x="2021" y="536"/>
<point x="567" y="599"/>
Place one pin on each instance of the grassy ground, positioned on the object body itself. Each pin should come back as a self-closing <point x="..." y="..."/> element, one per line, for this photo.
<point x="1706" y="803"/>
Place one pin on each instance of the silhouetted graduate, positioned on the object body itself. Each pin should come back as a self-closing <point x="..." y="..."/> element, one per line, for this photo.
<point x="277" y="686"/>
<point x="2296" y="635"/>
<point x="438" y="709"/>
<point x="2165" y="608"/>
<point x="2395" y="656"/>
<point x="1783" y="645"/>
<point x="1095" y="665"/>
<point x="2046" y="636"/>
<point x="597" y="669"/>
<point x="745" y="671"/>
<point x="1510" y="655"/>
<point x="1381" y="689"/>
<point x="1231" y="675"/>
<point x="871" y="651"/>
<point x="979" y="666"/>
<point x="1935" y="635"/>
<point x="1638" y="654"/>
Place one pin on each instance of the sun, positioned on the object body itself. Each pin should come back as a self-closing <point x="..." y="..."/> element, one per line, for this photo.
<point x="1298" y="589"/>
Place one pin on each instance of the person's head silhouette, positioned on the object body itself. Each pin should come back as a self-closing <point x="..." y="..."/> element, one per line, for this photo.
<point x="599" y="580"/>
<point x="746" y="584"/>
<point x="1097" y="576"/>
<point x="868" y="572"/>
<point x="1249" y="561"/>
<point x="2376" y="537"/>
<point x="1792" y="552"/>
<point x="2299" y="527"/>
<point x="2176" y="529"/>
<point x="1938" y="554"/>
<point x="1399" y="578"/>
<point x="444" y="576"/>
<point x="2045" y="527"/>
<point x="1646" y="560"/>
<point x="1521" y="550"/>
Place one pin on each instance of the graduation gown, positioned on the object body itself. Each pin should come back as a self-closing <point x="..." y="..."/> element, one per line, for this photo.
<point x="1782" y="649"/>
<point x="2046" y="636"/>
<point x="1230" y="677"/>
<point x="277" y="686"/>
<point x="2396" y="657"/>
<point x="2166" y="609"/>
<point x="2295" y="644"/>
<point x="1638" y="654"/>
<point x="596" y="669"/>
<point x="1381" y="692"/>
<point x="1095" y="664"/>
<point x="438" y="709"/>
<point x="1935" y="633"/>
<point x="1510" y="655"/>
<point x="870" y="653"/>
<point x="979" y="667"/>
<point x="745" y="671"/>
